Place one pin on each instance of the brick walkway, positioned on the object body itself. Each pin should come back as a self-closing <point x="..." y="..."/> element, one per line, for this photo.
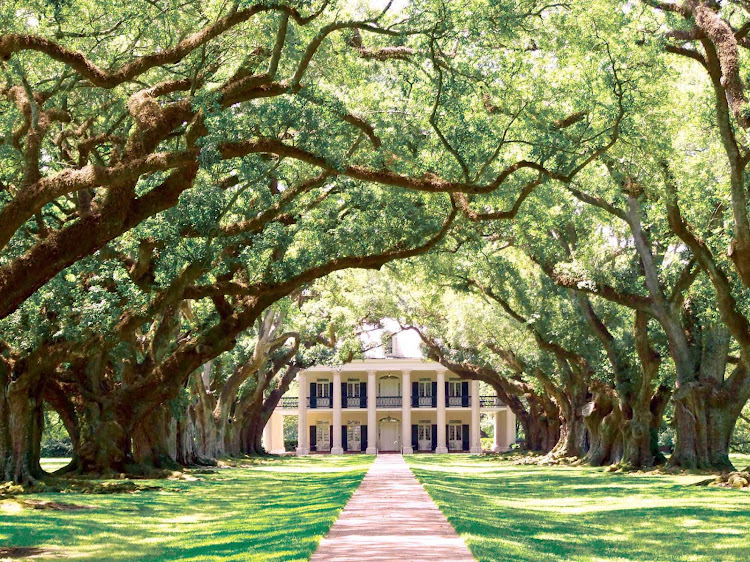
<point x="391" y="517"/>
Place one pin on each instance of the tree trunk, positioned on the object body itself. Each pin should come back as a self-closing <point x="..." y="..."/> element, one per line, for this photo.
<point x="703" y="428"/>
<point x="105" y="443"/>
<point x="541" y="425"/>
<point x="573" y="438"/>
<point x="641" y="432"/>
<point x="707" y="408"/>
<point x="152" y="440"/>
<point x="252" y="435"/>
<point x="603" y="419"/>
<point x="21" y="423"/>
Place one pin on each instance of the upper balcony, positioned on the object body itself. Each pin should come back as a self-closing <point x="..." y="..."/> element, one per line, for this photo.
<point x="463" y="401"/>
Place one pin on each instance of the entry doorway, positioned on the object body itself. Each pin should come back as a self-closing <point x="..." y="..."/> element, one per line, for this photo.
<point x="389" y="435"/>
<point x="353" y="436"/>
<point x="455" y="437"/>
<point x="323" y="436"/>
<point x="424" y="437"/>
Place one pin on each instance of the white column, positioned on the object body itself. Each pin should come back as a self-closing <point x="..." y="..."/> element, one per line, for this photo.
<point x="441" y="444"/>
<point x="406" y="444"/>
<point x="497" y="446"/>
<point x="510" y="431"/>
<point x="268" y="436"/>
<point x="303" y="447"/>
<point x="475" y="442"/>
<point x="277" y="434"/>
<point x="336" y="448"/>
<point x="372" y="417"/>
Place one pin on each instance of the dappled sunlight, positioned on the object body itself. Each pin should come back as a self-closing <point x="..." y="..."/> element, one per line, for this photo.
<point x="522" y="512"/>
<point x="277" y="509"/>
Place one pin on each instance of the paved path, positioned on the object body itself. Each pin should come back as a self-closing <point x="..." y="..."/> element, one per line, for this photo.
<point x="391" y="517"/>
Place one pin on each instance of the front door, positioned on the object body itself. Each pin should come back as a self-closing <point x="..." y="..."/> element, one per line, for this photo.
<point x="424" y="437"/>
<point x="455" y="438"/>
<point x="323" y="436"/>
<point x="389" y="435"/>
<point x="354" y="436"/>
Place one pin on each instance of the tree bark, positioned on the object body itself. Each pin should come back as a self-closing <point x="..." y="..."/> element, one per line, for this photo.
<point x="21" y="424"/>
<point x="603" y="418"/>
<point x="105" y="443"/>
<point x="153" y="440"/>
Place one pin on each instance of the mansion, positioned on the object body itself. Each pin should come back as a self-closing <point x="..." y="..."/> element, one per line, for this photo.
<point x="389" y="404"/>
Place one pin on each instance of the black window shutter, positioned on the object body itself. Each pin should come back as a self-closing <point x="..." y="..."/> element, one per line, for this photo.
<point x="363" y="395"/>
<point x="330" y="393"/>
<point x="343" y="395"/>
<point x="364" y="437"/>
<point x="465" y="393"/>
<point x="313" y="395"/>
<point x="415" y="437"/>
<point x="330" y="435"/>
<point x="434" y="396"/>
<point x="465" y="437"/>
<point x="434" y="434"/>
<point x="344" y="437"/>
<point x="446" y="394"/>
<point x="415" y="394"/>
<point x="313" y="438"/>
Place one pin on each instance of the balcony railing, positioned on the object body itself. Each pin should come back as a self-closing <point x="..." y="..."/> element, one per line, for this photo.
<point x="355" y="402"/>
<point x="290" y="402"/>
<point x="388" y="401"/>
<point x="489" y="401"/>
<point x="319" y="402"/>
<point x="394" y="402"/>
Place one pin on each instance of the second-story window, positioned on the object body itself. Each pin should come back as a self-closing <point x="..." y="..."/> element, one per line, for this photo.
<point x="425" y="388"/>
<point x="324" y="389"/>
<point x="352" y="389"/>
<point x="454" y="388"/>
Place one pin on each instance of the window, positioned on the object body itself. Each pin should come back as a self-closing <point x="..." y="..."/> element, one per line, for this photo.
<point x="352" y="389"/>
<point x="454" y="388"/>
<point x="324" y="389"/>
<point x="388" y="346"/>
<point x="425" y="388"/>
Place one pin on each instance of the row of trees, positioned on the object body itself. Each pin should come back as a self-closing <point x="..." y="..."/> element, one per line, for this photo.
<point x="175" y="175"/>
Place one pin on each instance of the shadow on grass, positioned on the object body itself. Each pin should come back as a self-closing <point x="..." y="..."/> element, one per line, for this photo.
<point x="509" y="512"/>
<point x="278" y="509"/>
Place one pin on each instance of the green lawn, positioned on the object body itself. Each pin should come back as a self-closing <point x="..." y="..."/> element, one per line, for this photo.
<point x="277" y="510"/>
<point x="512" y="512"/>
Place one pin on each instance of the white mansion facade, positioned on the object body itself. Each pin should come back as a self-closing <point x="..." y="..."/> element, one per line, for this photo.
<point x="389" y="404"/>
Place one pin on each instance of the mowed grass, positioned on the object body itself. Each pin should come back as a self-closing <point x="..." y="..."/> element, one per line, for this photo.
<point x="272" y="511"/>
<point x="515" y="512"/>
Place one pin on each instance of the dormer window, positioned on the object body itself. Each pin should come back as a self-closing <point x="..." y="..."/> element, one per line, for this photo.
<point x="388" y="345"/>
